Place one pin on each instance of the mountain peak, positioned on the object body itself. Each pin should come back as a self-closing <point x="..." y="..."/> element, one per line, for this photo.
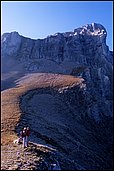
<point x="95" y="26"/>
<point x="91" y="29"/>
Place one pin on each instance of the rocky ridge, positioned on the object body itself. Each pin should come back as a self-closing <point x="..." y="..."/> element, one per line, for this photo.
<point x="84" y="54"/>
<point x="15" y="119"/>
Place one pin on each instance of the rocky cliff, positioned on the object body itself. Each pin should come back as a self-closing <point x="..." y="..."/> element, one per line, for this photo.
<point x="86" y="111"/>
<point x="82" y="53"/>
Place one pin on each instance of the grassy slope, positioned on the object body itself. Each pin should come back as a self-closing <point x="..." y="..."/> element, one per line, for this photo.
<point x="11" y="112"/>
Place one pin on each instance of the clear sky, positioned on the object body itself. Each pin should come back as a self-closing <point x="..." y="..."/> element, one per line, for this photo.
<point x="38" y="19"/>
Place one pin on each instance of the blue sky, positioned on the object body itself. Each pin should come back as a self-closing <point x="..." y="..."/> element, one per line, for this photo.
<point x="38" y="19"/>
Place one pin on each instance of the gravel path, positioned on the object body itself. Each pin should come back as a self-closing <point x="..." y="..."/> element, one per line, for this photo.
<point x="36" y="156"/>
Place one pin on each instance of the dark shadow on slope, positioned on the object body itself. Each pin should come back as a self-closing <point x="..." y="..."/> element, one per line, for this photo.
<point x="10" y="80"/>
<point x="11" y="70"/>
<point x="60" y="128"/>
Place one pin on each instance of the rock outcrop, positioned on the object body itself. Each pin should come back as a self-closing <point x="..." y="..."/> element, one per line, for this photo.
<point x="82" y="53"/>
<point x="84" y="45"/>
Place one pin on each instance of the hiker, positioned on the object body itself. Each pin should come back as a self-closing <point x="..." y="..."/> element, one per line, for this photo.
<point x="20" y="137"/>
<point x="27" y="135"/>
<point x="24" y="136"/>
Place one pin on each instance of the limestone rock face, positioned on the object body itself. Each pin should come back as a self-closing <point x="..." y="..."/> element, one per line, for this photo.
<point x="10" y="43"/>
<point x="82" y="53"/>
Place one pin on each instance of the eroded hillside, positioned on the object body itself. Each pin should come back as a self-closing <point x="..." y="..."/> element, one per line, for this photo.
<point x="50" y="105"/>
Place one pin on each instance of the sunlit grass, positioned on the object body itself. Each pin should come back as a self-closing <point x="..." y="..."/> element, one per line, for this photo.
<point x="10" y="110"/>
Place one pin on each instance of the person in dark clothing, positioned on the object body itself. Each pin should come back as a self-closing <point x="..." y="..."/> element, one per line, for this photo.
<point x="27" y="135"/>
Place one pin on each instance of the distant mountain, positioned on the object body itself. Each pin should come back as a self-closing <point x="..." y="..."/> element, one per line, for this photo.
<point x="86" y="109"/>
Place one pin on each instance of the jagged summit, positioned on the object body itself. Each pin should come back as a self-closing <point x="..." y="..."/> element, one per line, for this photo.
<point x="94" y="27"/>
<point x="90" y="36"/>
<point x="91" y="29"/>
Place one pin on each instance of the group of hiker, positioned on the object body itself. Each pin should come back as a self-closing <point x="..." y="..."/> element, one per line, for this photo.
<point x="24" y="134"/>
<point x="24" y="137"/>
